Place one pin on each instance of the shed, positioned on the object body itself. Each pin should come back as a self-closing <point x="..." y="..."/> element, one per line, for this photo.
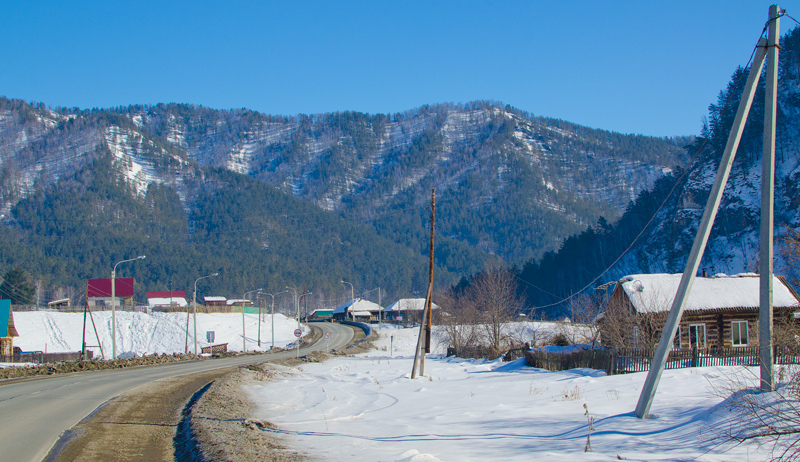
<point x="57" y="304"/>
<point x="215" y="301"/>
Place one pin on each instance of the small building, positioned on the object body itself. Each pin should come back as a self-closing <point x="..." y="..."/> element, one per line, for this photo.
<point x="720" y="311"/>
<point x="7" y="329"/>
<point x="167" y="300"/>
<point x="215" y="301"/>
<point x="360" y="310"/>
<point x="318" y="315"/>
<point x="63" y="303"/>
<point x="406" y="310"/>
<point x="98" y="291"/>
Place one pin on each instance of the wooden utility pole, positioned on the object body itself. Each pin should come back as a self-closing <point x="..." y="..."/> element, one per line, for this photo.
<point x="767" y="201"/>
<point x="424" y="339"/>
<point x="712" y="206"/>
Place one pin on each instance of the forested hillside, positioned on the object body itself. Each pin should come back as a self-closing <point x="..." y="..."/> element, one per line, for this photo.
<point x="666" y="241"/>
<point x="277" y="201"/>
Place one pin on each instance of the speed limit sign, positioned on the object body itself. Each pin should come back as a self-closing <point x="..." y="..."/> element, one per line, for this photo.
<point x="298" y="333"/>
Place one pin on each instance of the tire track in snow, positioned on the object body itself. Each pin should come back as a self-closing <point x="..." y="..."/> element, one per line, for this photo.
<point x="57" y="334"/>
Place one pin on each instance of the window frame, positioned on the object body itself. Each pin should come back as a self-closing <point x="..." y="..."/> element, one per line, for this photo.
<point x="697" y="342"/>
<point x="745" y="334"/>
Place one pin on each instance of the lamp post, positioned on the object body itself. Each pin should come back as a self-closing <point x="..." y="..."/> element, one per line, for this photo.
<point x="296" y="306"/>
<point x="300" y="301"/>
<point x="272" y="308"/>
<point x="244" y="339"/>
<point x="194" y="309"/>
<point x="114" y="305"/>
<point x="352" y="300"/>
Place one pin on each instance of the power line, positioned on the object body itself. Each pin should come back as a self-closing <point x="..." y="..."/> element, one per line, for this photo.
<point x="692" y="160"/>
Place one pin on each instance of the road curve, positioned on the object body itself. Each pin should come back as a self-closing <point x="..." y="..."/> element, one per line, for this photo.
<point x="37" y="411"/>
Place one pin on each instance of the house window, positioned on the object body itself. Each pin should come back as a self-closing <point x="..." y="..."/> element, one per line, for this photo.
<point x="697" y="335"/>
<point x="739" y="335"/>
<point x="676" y="341"/>
<point x="636" y="336"/>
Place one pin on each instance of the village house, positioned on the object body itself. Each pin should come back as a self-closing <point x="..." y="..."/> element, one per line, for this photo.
<point x="406" y="310"/>
<point x="167" y="300"/>
<point x="720" y="311"/>
<point x="360" y="310"/>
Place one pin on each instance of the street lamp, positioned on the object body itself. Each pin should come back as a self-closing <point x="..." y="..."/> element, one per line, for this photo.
<point x="272" y="307"/>
<point x="194" y="310"/>
<point x="114" y="306"/>
<point x="352" y="301"/>
<point x="300" y="302"/>
<point x="296" y="306"/>
<point x="244" y="339"/>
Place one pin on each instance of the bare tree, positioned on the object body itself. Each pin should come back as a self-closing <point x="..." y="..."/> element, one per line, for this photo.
<point x="495" y="295"/>
<point x="621" y="326"/>
<point x="584" y="327"/>
<point x="458" y="320"/>
<point x="790" y="250"/>
<point x="764" y="419"/>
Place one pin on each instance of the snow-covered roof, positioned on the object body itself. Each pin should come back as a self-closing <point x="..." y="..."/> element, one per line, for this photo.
<point x="179" y="301"/>
<point x="58" y="302"/>
<point x="361" y="313"/>
<point x="214" y="299"/>
<point x="652" y="293"/>
<point x="410" y="304"/>
<point x="359" y="305"/>
<point x="239" y="301"/>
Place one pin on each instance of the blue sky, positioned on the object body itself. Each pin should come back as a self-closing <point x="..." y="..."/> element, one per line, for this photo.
<point x="628" y="66"/>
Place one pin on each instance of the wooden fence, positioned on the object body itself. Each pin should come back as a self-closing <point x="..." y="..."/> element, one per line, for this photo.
<point x="39" y="357"/>
<point x="626" y="360"/>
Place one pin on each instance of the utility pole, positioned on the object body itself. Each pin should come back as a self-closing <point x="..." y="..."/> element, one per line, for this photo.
<point x="767" y="204"/>
<point x="194" y="312"/>
<point x="244" y="339"/>
<point x="423" y="341"/>
<point x="710" y="212"/>
<point x="352" y="301"/>
<point x="114" y="306"/>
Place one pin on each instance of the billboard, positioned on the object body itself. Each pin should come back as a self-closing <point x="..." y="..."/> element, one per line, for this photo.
<point x="123" y="287"/>
<point x="5" y="316"/>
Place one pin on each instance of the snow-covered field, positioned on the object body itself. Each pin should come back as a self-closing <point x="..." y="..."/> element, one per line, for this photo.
<point x="146" y="333"/>
<point x="367" y="408"/>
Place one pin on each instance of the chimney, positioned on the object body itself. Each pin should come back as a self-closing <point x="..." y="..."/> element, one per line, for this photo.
<point x="704" y="273"/>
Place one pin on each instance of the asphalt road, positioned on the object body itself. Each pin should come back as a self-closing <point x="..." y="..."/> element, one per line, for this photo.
<point x="36" y="411"/>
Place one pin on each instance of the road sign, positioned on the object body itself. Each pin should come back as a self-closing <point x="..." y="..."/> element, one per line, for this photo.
<point x="328" y="337"/>
<point x="298" y="333"/>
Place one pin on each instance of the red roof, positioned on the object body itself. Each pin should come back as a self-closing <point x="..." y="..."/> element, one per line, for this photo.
<point x="123" y="287"/>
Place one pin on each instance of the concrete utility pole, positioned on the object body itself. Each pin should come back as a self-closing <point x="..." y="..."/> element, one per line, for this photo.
<point x="244" y="339"/>
<point x="352" y="301"/>
<point x="272" y="307"/>
<point x="712" y="206"/>
<point x="194" y="309"/>
<point x="767" y="205"/>
<point x="114" y="306"/>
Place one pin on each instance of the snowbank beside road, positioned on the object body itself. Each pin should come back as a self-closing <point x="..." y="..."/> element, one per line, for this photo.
<point x="147" y="333"/>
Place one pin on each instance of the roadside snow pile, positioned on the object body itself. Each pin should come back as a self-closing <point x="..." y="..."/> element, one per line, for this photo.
<point x="147" y="333"/>
<point x="367" y="408"/>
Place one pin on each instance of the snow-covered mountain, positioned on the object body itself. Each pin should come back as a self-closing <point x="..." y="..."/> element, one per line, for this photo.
<point x="734" y="242"/>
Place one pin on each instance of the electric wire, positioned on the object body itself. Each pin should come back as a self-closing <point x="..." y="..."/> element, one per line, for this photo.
<point x="692" y="160"/>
